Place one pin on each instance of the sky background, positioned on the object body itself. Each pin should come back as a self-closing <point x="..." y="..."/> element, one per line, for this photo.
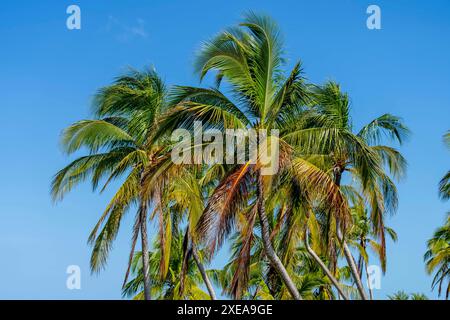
<point x="49" y="73"/>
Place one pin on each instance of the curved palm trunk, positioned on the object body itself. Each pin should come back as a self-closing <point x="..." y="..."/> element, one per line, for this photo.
<point x="347" y="253"/>
<point x="205" y="277"/>
<point x="324" y="268"/>
<point x="360" y="265"/>
<point x="144" y="241"/>
<point x="364" y="264"/>
<point x="268" y="248"/>
<point x="351" y="263"/>
<point x="367" y="275"/>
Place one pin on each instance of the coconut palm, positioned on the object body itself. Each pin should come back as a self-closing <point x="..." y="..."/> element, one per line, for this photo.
<point x="399" y="295"/>
<point x="336" y="149"/>
<point x="329" y="148"/>
<point x="291" y="205"/>
<point x="437" y="258"/>
<point x="289" y="228"/>
<point x="402" y="295"/>
<point x="418" y="296"/>
<point x="249" y="58"/>
<point x="117" y="145"/>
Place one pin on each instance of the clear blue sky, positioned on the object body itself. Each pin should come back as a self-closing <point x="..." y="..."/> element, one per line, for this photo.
<point x="48" y="75"/>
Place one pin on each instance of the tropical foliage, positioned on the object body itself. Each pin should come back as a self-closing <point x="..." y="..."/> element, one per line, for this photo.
<point x="402" y="295"/>
<point x="293" y="234"/>
<point x="437" y="257"/>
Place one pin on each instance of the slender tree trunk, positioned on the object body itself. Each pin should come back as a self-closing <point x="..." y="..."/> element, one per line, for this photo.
<point x="324" y="268"/>
<point x="145" y="259"/>
<point x="367" y="276"/>
<point x="268" y="248"/>
<point x="205" y="277"/>
<point x="360" y="265"/>
<point x="351" y="263"/>
<point x="347" y="253"/>
<point x="360" y="258"/>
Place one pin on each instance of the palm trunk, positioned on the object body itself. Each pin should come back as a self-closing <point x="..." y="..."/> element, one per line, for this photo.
<point x="324" y="268"/>
<point x="268" y="248"/>
<point x="367" y="276"/>
<point x="351" y="263"/>
<point x="205" y="277"/>
<point x="347" y="253"/>
<point x="145" y="259"/>
<point x="370" y="289"/>
<point x="360" y="265"/>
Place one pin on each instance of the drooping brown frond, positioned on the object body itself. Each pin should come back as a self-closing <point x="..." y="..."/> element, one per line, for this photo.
<point x="240" y="279"/>
<point x="228" y="198"/>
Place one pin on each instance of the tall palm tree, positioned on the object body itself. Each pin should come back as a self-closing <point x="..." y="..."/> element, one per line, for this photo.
<point x="331" y="193"/>
<point x="335" y="149"/>
<point x="117" y="144"/>
<point x="296" y="222"/>
<point x="249" y="58"/>
<point x="437" y="257"/>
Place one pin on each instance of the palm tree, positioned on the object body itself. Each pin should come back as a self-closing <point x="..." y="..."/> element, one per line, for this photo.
<point x="296" y="222"/>
<point x="249" y="58"/>
<point x="437" y="257"/>
<point x="331" y="192"/>
<point x="117" y="143"/>
<point x="337" y="150"/>
<point x="402" y="295"/>
<point x="399" y="295"/>
<point x="328" y="149"/>
<point x="418" y="296"/>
